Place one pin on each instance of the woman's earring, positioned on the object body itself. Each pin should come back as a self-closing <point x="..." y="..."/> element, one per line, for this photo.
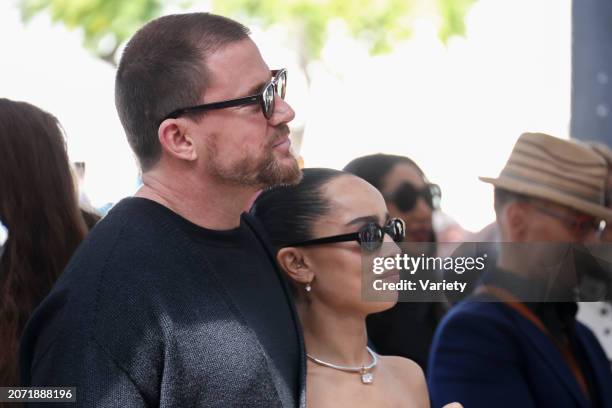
<point x="308" y="287"/>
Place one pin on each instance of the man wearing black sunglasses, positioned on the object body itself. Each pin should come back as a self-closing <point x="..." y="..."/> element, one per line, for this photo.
<point x="175" y="300"/>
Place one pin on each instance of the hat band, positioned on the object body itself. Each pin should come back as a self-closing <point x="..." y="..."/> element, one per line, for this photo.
<point x="549" y="183"/>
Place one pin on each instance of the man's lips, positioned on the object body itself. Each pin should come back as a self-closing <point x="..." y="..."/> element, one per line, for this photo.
<point x="281" y="135"/>
<point x="283" y="141"/>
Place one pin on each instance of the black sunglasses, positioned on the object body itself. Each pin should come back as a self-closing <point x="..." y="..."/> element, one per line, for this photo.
<point x="277" y="85"/>
<point x="370" y="236"/>
<point x="406" y="195"/>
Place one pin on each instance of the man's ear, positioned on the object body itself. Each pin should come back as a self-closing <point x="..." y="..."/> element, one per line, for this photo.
<point x="176" y="140"/>
<point x="295" y="264"/>
<point x="516" y="215"/>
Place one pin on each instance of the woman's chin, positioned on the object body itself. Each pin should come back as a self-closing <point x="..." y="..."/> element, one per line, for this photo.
<point x="381" y="306"/>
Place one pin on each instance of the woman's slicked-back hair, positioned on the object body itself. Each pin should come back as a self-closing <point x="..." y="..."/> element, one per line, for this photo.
<point x="289" y="212"/>
<point x="39" y="206"/>
<point x="163" y="68"/>
<point x="373" y="168"/>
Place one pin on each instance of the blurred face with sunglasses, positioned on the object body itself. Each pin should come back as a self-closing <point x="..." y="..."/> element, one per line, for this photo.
<point x="356" y="226"/>
<point x="410" y="197"/>
<point x="239" y="130"/>
<point x="533" y="220"/>
<point x="537" y="220"/>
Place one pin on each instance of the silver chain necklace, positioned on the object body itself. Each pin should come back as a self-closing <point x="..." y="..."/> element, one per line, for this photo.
<point x="366" y="376"/>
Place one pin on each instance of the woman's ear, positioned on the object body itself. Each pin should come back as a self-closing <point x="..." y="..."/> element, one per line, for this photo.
<point x="295" y="264"/>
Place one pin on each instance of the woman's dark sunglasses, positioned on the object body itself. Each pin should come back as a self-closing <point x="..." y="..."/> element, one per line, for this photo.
<point x="406" y="195"/>
<point x="370" y="236"/>
<point x="277" y="85"/>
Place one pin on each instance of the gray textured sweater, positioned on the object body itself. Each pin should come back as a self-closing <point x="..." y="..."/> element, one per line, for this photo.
<point x="155" y="311"/>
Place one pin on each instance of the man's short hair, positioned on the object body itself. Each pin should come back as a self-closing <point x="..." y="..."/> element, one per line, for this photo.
<point x="163" y="68"/>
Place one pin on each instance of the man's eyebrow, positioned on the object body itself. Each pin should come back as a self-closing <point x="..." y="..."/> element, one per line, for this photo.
<point x="257" y="88"/>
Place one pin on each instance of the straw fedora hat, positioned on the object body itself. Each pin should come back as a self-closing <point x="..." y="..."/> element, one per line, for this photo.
<point x="603" y="150"/>
<point x="561" y="171"/>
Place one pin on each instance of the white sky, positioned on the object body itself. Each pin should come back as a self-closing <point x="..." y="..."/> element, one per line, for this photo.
<point x="455" y="110"/>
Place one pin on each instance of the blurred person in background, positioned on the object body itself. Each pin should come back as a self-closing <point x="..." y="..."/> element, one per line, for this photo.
<point x="322" y="228"/>
<point x="496" y="349"/>
<point x="38" y="206"/>
<point x="90" y="215"/>
<point x="598" y="315"/>
<point x="606" y="153"/>
<point x="406" y="329"/>
<point x="408" y="193"/>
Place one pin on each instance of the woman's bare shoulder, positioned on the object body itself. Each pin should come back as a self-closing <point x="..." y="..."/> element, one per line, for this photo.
<point x="410" y="375"/>
<point x="404" y="367"/>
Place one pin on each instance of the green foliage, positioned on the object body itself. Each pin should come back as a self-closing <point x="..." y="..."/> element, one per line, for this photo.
<point x="105" y="23"/>
<point x="380" y="23"/>
<point x="453" y="17"/>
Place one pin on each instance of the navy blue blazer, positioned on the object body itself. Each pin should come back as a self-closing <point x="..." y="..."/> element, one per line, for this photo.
<point x="487" y="355"/>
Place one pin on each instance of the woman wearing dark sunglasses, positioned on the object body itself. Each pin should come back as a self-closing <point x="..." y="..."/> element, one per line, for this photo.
<point x="407" y="329"/>
<point x="322" y="228"/>
<point x="407" y="192"/>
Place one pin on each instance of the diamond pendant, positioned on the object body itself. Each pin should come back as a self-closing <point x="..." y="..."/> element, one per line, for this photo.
<point x="366" y="377"/>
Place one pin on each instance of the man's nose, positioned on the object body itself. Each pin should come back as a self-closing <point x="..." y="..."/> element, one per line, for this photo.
<point x="283" y="112"/>
<point x="422" y="209"/>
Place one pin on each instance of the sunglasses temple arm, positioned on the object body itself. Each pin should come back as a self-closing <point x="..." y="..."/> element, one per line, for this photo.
<point x="247" y="100"/>
<point x="327" y="240"/>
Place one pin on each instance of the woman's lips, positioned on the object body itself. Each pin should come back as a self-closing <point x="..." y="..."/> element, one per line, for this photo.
<point x="419" y="235"/>
<point x="392" y="275"/>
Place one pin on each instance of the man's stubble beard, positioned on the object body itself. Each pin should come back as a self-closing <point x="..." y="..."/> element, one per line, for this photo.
<point x="261" y="172"/>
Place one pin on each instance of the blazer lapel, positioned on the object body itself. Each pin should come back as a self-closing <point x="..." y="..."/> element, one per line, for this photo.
<point x="553" y="357"/>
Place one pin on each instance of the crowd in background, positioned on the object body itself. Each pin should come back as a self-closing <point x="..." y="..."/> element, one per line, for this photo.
<point x="550" y="190"/>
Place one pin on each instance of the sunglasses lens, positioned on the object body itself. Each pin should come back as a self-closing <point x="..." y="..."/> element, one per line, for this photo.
<point x="371" y="237"/>
<point x="281" y="84"/>
<point x="396" y="229"/>
<point x="588" y="225"/>
<point x="436" y="195"/>
<point x="268" y="101"/>
<point x="405" y="197"/>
